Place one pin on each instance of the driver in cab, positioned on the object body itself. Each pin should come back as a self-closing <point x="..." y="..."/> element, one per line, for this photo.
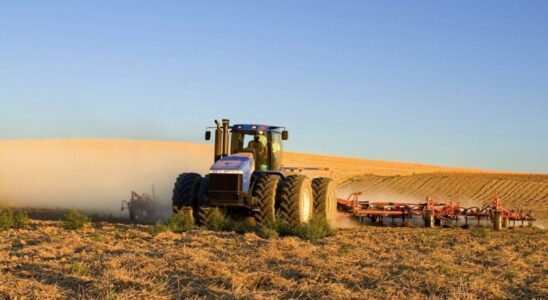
<point x="258" y="147"/>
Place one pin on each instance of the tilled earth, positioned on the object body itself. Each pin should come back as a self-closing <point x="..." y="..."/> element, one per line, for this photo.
<point x="126" y="262"/>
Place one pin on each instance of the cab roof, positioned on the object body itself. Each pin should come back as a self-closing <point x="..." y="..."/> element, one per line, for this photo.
<point x="255" y="127"/>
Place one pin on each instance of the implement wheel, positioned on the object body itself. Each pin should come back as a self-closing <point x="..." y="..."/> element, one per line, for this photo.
<point x="296" y="200"/>
<point x="325" y="199"/>
<point x="429" y="219"/>
<point x="185" y="191"/>
<point x="264" y="197"/>
<point x="497" y="220"/>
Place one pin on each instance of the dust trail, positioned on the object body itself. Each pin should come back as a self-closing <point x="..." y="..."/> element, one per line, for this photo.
<point x="93" y="174"/>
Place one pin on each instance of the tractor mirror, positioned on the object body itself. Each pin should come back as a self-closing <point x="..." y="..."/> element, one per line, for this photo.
<point x="208" y="135"/>
<point x="285" y="135"/>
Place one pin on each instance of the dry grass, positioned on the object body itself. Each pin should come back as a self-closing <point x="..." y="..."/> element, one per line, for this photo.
<point x="112" y="261"/>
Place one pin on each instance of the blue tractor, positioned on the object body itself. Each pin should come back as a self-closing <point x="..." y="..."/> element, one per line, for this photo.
<point x="247" y="179"/>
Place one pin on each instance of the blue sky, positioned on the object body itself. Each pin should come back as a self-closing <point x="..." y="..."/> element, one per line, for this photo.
<point x="461" y="83"/>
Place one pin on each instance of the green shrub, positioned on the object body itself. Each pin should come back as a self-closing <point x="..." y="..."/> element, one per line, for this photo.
<point x="245" y="227"/>
<point x="157" y="228"/>
<point x="282" y="228"/>
<point x="20" y="220"/>
<point x="179" y="222"/>
<point x="74" y="220"/>
<point x="315" y="229"/>
<point x="9" y="219"/>
<point x="6" y="219"/>
<point x="219" y="222"/>
<point x="267" y="233"/>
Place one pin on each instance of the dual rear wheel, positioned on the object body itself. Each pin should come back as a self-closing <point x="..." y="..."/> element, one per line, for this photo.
<point x="294" y="200"/>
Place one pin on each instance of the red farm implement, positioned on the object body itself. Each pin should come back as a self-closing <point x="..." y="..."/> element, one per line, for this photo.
<point x="432" y="213"/>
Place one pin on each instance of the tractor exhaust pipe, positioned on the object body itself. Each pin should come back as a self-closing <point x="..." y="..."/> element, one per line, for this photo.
<point x="226" y="127"/>
<point x="218" y="141"/>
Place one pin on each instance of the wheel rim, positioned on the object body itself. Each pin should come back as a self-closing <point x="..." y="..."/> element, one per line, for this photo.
<point x="306" y="205"/>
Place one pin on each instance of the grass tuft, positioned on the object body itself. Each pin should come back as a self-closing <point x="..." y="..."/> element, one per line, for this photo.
<point x="20" y="220"/>
<point x="74" y="220"/>
<point x="6" y="219"/>
<point x="267" y="233"/>
<point x="180" y="222"/>
<point x="482" y="233"/>
<point x="9" y="219"/>
<point x="219" y="222"/>
<point x="314" y="230"/>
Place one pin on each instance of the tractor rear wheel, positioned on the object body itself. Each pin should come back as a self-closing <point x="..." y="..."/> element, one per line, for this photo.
<point x="296" y="200"/>
<point x="185" y="191"/>
<point x="325" y="199"/>
<point x="264" y="196"/>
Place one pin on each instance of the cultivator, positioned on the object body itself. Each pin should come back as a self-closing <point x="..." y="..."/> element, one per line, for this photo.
<point x="432" y="213"/>
<point x="141" y="207"/>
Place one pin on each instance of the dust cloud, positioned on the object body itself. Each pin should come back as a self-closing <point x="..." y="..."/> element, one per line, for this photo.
<point x="93" y="174"/>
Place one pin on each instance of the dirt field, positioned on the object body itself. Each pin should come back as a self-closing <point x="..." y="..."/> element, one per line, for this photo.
<point x="124" y="262"/>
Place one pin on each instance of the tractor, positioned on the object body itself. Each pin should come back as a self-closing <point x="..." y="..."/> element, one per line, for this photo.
<point x="247" y="180"/>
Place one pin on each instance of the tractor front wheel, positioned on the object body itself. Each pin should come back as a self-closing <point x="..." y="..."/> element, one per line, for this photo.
<point x="185" y="191"/>
<point x="325" y="199"/>
<point x="264" y="196"/>
<point x="296" y="200"/>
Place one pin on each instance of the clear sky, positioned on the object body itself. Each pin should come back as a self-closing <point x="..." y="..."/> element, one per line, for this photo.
<point x="461" y="83"/>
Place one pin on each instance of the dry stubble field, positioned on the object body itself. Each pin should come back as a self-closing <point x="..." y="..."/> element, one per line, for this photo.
<point x="112" y="261"/>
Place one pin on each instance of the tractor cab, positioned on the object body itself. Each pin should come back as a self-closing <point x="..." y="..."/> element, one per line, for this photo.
<point x="264" y="142"/>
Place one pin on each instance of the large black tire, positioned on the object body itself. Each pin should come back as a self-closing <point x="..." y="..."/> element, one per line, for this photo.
<point x="296" y="200"/>
<point x="185" y="191"/>
<point x="325" y="199"/>
<point x="264" y="197"/>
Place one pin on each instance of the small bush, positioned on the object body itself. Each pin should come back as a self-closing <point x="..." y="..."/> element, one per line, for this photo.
<point x="219" y="222"/>
<point x="6" y="219"/>
<point x="282" y="228"/>
<point x="20" y="220"/>
<point x="245" y="227"/>
<point x="74" y="220"/>
<point x="15" y="220"/>
<point x="180" y="222"/>
<point x="315" y="229"/>
<point x="267" y="233"/>
<point x="157" y="228"/>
